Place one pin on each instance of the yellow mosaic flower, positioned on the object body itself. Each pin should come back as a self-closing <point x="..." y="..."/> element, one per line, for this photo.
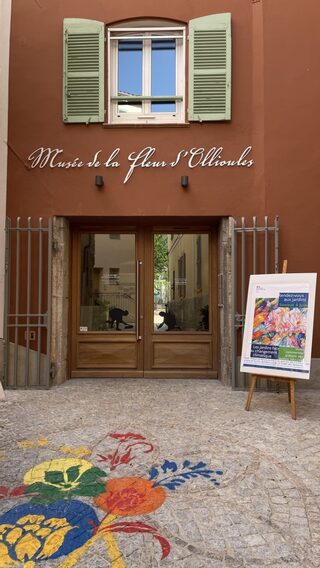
<point x="54" y="536"/>
<point x="80" y="452"/>
<point x="5" y="560"/>
<point x="57" y="471"/>
<point x="42" y="441"/>
<point x="26" y="444"/>
<point x="30" y="534"/>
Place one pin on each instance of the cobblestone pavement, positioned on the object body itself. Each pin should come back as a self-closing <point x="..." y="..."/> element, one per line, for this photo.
<point x="265" y="511"/>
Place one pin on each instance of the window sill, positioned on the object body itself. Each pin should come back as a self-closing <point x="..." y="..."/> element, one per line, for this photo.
<point x="158" y="125"/>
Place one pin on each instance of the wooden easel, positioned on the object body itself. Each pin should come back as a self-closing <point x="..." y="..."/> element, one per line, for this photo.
<point x="291" y="390"/>
<point x="288" y="380"/>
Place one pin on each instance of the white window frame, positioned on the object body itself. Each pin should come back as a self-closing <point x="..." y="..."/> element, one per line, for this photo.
<point x="146" y="34"/>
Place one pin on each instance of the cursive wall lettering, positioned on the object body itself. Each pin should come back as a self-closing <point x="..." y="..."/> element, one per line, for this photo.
<point x="144" y="158"/>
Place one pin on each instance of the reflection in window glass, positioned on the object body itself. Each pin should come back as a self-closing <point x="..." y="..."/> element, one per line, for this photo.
<point x="130" y="74"/>
<point x="163" y="73"/>
<point x="108" y="283"/>
<point x="181" y="282"/>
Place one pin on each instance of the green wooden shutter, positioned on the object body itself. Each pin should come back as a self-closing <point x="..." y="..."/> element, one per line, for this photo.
<point x="210" y="68"/>
<point x="83" y="71"/>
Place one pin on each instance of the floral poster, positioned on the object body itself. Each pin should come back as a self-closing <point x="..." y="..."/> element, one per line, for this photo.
<point x="279" y="324"/>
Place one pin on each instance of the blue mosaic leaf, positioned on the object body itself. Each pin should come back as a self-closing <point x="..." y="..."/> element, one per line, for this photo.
<point x="174" y="483"/>
<point x="153" y="473"/>
<point x="199" y="465"/>
<point x="169" y="466"/>
<point x="189" y="475"/>
<point x="184" y="472"/>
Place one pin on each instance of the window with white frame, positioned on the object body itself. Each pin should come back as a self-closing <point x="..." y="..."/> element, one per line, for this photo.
<point x="146" y="74"/>
<point x="146" y="71"/>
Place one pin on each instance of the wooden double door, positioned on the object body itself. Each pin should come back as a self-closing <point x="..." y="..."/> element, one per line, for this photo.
<point x="144" y="302"/>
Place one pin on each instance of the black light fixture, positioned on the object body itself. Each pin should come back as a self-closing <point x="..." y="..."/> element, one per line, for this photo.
<point x="184" y="181"/>
<point x="99" y="181"/>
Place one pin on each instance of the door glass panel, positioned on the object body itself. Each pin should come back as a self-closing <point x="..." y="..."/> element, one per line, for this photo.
<point x="107" y="282"/>
<point x="181" y="282"/>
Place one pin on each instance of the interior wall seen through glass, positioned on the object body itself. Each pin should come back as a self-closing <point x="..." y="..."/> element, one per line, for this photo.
<point x="181" y="282"/>
<point x="107" y="283"/>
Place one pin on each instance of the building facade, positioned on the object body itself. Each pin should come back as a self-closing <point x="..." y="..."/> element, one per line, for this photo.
<point x="139" y="132"/>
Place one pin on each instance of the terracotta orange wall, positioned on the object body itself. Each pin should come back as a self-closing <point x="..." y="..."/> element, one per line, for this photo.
<point x="291" y="131"/>
<point x="275" y="101"/>
<point x="36" y="120"/>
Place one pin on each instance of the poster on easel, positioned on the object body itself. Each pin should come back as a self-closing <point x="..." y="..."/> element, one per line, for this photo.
<point x="278" y="329"/>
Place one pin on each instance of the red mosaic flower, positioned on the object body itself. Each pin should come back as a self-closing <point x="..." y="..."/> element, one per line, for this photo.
<point x="130" y="496"/>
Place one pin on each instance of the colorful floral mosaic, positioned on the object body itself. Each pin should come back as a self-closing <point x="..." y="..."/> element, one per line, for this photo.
<point x="56" y="523"/>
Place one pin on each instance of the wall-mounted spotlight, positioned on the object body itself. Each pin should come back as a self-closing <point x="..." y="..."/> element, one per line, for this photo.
<point x="184" y="181"/>
<point x="99" y="181"/>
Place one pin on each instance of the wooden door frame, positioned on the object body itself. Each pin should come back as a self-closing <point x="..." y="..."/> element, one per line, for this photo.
<point x="144" y="246"/>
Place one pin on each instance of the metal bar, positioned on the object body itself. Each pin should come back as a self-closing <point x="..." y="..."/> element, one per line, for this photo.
<point x="138" y="264"/>
<point x="254" y="244"/>
<point x="39" y="302"/>
<point x="220" y="290"/>
<point x="266" y="248"/>
<point x="243" y="284"/>
<point x="142" y="37"/>
<point x="49" y="291"/>
<point x="276" y="245"/>
<point x="29" y="253"/>
<point x="22" y="276"/>
<point x="138" y="98"/>
<point x="17" y="283"/>
<point x="6" y="302"/>
<point x="141" y="29"/>
<point x="26" y="230"/>
<point x="24" y="325"/>
<point x="240" y="281"/>
<point x="243" y="266"/>
<point x="233" y="302"/>
<point x="266" y="261"/>
<point x="25" y="315"/>
<point x="250" y="229"/>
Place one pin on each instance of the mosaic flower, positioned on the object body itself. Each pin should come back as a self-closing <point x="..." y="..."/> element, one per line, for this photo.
<point x="63" y="478"/>
<point x="33" y="533"/>
<point x="54" y="524"/>
<point x="80" y="452"/>
<point x="26" y="444"/>
<point x="128" y="445"/>
<point x="128" y="496"/>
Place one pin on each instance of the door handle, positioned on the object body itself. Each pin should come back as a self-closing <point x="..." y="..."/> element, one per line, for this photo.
<point x="138" y="265"/>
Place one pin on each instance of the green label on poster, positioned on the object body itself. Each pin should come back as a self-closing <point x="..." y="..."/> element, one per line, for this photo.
<point x="291" y="354"/>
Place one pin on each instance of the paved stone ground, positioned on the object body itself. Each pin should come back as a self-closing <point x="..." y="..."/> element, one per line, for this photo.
<point x="266" y="510"/>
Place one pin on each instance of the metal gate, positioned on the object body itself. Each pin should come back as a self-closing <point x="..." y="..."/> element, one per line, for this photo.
<point x="27" y="310"/>
<point x="255" y="250"/>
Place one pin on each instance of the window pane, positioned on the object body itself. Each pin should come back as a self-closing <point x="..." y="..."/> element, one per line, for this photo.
<point x="163" y="73"/>
<point x="129" y="73"/>
<point x="181" y="282"/>
<point x="165" y="106"/>
<point x="108" y="283"/>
